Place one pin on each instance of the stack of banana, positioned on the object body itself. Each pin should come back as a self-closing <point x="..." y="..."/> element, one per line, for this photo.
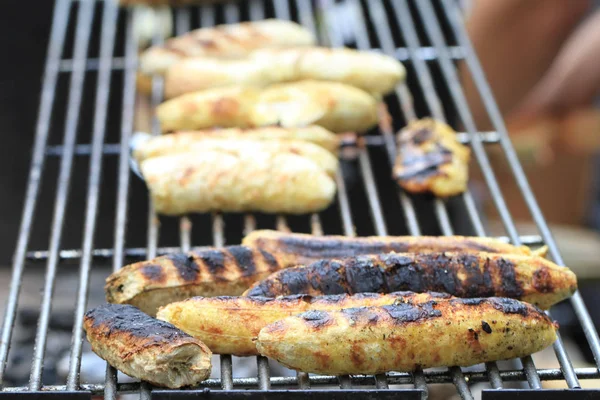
<point x="252" y="115"/>
<point x="329" y="305"/>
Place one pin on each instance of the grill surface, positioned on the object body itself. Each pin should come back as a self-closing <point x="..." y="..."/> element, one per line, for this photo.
<point x="429" y="54"/>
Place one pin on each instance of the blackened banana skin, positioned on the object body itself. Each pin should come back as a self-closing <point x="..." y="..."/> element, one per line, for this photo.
<point x="532" y="279"/>
<point x="146" y="348"/>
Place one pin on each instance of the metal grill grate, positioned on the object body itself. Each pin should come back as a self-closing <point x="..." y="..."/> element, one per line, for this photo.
<point x="376" y="25"/>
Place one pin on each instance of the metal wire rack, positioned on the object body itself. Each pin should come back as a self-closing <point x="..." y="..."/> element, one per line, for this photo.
<point x="410" y="31"/>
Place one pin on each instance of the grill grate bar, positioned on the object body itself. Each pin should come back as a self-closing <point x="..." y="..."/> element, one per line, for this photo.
<point x="395" y="378"/>
<point x="83" y="29"/>
<point x="55" y="49"/>
<point x="127" y="119"/>
<point x="371" y="141"/>
<point x="109" y="17"/>
<point x="153" y="222"/>
<point x="453" y="15"/>
<point x="256" y="10"/>
<point x="401" y="54"/>
<point x="207" y="16"/>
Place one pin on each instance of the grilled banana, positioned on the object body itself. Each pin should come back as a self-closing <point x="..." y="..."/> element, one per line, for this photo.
<point x="179" y="141"/>
<point x="145" y="348"/>
<point x="405" y="337"/>
<point x="334" y="106"/>
<point x="532" y="279"/>
<point x="430" y="159"/>
<point x="228" y="325"/>
<point x="159" y="146"/>
<point x="304" y="249"/>
<point x="372" y="72"/>
<point x="224" y="41"/>
<point x="174" y="277"/>
<point x="214" y="180"/>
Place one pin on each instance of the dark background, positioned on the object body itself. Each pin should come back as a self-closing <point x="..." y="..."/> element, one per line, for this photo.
<point x="23" y="38"/>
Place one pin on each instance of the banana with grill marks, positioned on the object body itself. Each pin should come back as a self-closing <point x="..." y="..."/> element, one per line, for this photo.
<point x="145" y="348"/>
<point x="226" y="271"/>
<point x="180" y="141"/>
<point x="334" y="106"/>
<point x="231" y="270"/>
<point x="263" y="180"/>
<point x="532" y="279"/>
<point x="431" y="159"/>
<point x="369" y="71"/>
<point x="303" y="249"/>
<point x="310" y="151"/>
<point x="229" y="325"/>
<point x="404" y="337"/>
<point x="224" y="41"/>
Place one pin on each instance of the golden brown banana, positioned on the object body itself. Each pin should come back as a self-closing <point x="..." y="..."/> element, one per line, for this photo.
<point x="162" y="145"/>
<point x="213" y="272"/>
<point x="532" y="279"/>
<point x="158" y="145"/>
<point x="373" y="72"/>
<point x="229" y="325"/>
<point x="431" y="159"/>
<point x="303" y="249"/>
<point x="145" y="348"/>
<point x="264" y="181"/>
<point x="406" y="337"/>
<point x="334" y="106"/>
<point x="224" y="41"/>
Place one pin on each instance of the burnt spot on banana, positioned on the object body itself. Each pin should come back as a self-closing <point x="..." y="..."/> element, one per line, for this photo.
<point x="403" y="273"/>
<point x="470" y="302"/>
<point x="510" y="284"/>
<point x="418" y="164"/>
<point x="316" y="319"/>
<point x="364" y="275"/>
<point x="119" y="319"/>
<point x="486" y="327"/>
<point x="213" y="259"/>
<point x="185" y="265"/>
<point x="477" y="282"/>
<point x="328" y="276"/>
<point x="152" y="272"/>
<point x="292" y="282"/>
<point x="244" y="259"/>
<point x="405" y="312"/>
<point x="263" y="289"/>
<point x="362" y="315"/>
<point x="270" y="260"/>
<point x="509" y="306"/>
<point x="334" y="248"/>
<point x="542" y="280"/>
<point x="331" y="298"/>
